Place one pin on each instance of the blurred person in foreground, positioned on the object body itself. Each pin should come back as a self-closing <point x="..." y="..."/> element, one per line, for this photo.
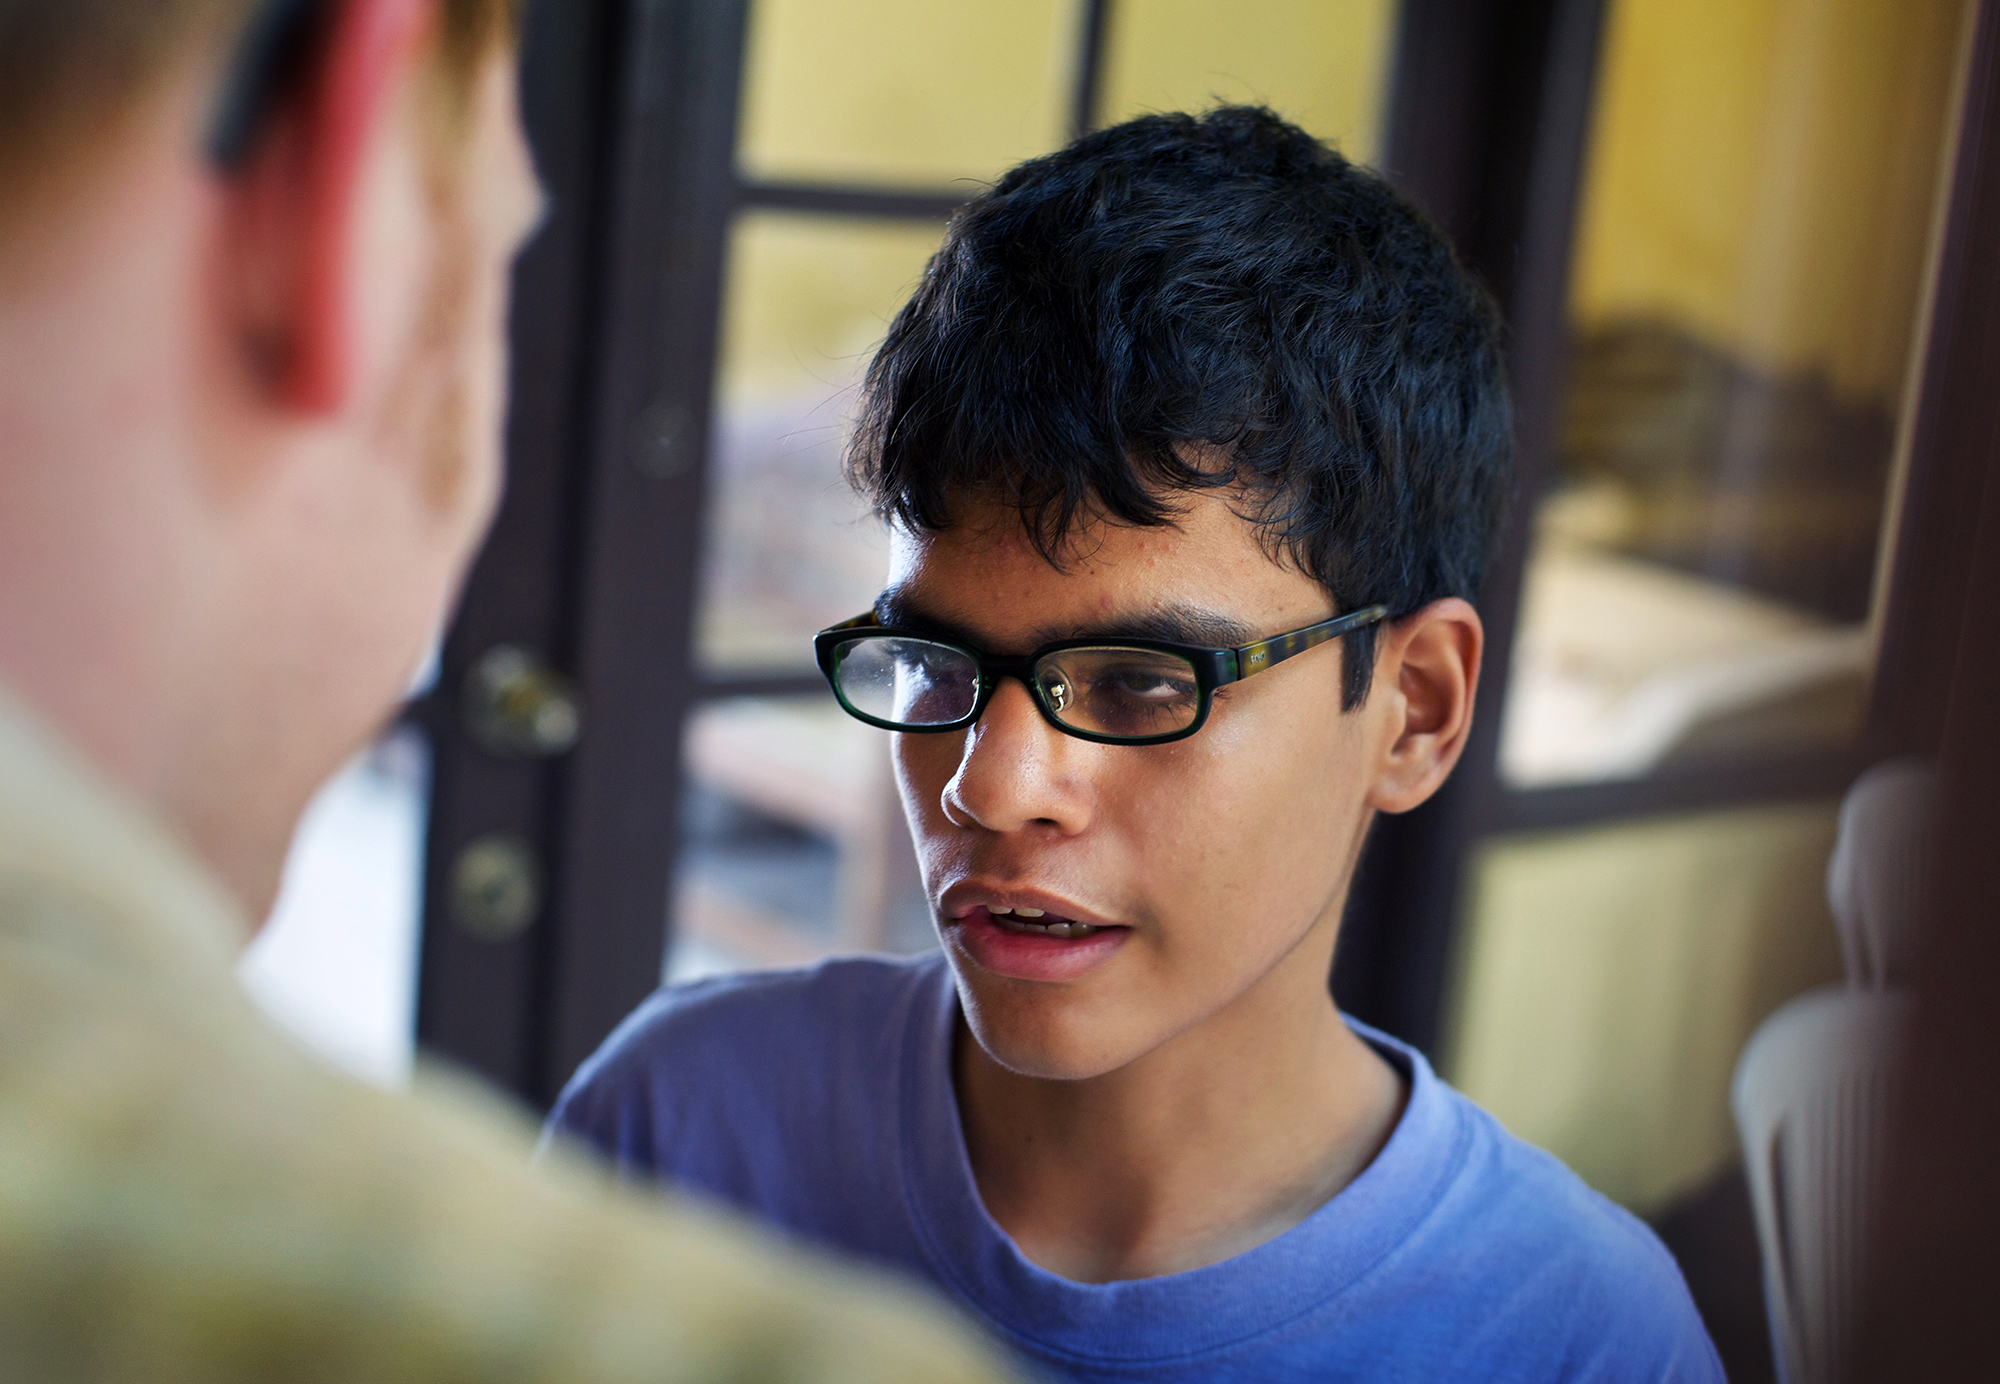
<point x="1192" y="439"/>
<point x="253" y="269"/>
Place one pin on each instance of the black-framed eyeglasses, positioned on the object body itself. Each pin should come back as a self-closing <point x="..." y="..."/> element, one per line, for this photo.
<point x="1111" y="691"/>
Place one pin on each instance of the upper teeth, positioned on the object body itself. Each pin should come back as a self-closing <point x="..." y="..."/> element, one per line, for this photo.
<point x="1019" y="918"/>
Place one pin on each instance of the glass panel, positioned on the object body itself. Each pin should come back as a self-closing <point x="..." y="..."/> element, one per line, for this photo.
<point x="793" y="845"/>
<point x="1321" y="65"/>
<point x="790" y="551"/>
<point x="337" y="962"/>
<point x="1750" y="262"/>
<point x="1608" y="980"/>
<point x="904" y="92"/>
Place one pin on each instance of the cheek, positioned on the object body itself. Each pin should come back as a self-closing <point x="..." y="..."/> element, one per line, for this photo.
<point x="1257" y="830"/>
<point x="924" y="765"/>
<point x="396" y="246"/>
<point x="458" y="387"/>
<point x="482" y="415"/>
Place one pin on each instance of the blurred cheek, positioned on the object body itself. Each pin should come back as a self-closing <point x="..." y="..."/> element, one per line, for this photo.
<point x="501" y="195"/>
<point x="481" y="424"/>
<point x="466" y="339"/>
<point x="439" y="438"/>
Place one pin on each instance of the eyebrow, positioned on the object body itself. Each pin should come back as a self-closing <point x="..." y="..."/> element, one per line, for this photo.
<point x="1173" y="624"/>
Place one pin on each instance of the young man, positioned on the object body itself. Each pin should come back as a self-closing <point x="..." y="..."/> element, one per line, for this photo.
<point x="253" y="274"/>
<point x="1192" y="441"/>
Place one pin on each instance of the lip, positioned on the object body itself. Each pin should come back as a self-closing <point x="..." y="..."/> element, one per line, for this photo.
<point x="967" y="911"/>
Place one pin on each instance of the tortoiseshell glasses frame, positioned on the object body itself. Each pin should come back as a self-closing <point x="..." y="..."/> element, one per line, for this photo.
<point x="1107" y="691"/>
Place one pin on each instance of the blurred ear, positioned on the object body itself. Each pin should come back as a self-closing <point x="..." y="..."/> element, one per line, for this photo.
<point x="1426" y="675"/>
<point x="294" y="205"/>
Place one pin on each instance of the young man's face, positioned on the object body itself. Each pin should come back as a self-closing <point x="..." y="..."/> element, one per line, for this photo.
<point x="1215" y="866"/>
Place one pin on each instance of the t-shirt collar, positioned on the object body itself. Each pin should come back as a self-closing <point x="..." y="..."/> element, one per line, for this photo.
<point x="1179" y="1314"/>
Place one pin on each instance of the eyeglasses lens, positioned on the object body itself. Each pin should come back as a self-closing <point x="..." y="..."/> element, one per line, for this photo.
<point x="907" y="682"/>
<point x="1129" y="694"/>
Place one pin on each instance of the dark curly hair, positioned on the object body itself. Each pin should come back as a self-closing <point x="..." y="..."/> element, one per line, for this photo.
<point x="1184" y="303"/>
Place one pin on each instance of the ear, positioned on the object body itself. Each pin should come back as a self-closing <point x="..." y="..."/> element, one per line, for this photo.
<point x="1426" y="674"/>
<point x="294" y="204"/>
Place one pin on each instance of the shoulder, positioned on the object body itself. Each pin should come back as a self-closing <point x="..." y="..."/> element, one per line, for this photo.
<point x="169" y="1131"/>
<point x="1588" y="1285"/>
<point x="1507" y="1258"/>
<point x="702" y="1049"/>
<point x="743" y="1017"/>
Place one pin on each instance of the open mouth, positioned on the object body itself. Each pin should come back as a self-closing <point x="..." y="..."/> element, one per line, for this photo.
<point x="1029" y="943"/>
<point x="1039" y="923"/>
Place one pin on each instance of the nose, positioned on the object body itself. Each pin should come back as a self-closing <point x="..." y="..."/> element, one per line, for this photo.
<point x="1016" y="771"/>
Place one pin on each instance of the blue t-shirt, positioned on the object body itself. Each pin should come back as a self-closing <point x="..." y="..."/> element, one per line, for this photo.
<point x="821" y="1101"/>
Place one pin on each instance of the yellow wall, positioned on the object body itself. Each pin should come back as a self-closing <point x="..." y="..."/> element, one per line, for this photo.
<point x="1322" y="64"/>
<point x="1607" y="979"/>
<point x="904" y="91"/>
<point x="809" y="298"/>
<point x="1762" y="173"/>
<point x="916" y="92"/>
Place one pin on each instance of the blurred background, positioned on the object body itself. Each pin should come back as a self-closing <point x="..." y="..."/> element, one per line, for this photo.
<point x="1715" y="226"/>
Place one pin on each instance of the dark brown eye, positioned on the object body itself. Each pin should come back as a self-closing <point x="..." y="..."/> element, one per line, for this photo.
<point x="1128" y="693"/>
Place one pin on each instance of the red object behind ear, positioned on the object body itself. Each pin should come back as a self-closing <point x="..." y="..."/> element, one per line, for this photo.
<point x="369" y="46"/>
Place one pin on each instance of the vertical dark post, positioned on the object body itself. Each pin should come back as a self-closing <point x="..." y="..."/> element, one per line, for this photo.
<point x="1923" y="623"/>
<point x="672" y="196"/>
<point x="480" y="990"/>
<point x="1934" y="1272"/>
<point x="1087" y="95"/>
<point x="1488" y="119"/>
<point x="593" y="561"/>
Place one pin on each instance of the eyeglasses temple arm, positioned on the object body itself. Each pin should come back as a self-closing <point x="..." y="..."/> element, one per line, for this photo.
<point x="1255" y="658"/>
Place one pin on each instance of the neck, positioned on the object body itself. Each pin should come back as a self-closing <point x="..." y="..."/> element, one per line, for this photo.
<point x="1220" y="1139"/>
<point x="128" y="675"/>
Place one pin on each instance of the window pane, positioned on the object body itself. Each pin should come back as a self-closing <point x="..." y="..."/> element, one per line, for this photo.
<point x="337" y="962"/>
<point x="902" y="91"/>
<point x="1322" y="65"/>
<point x="1609" y="978"/>
<point x="1750" y="262"/>
<point x="793" y="843"/>
<point x="790" y="550"/>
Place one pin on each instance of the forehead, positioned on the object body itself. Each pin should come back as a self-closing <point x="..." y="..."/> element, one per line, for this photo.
<point x="985" y="572"/>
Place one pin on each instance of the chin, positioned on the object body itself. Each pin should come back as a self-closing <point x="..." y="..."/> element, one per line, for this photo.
<point x="1044" y="1032"/>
